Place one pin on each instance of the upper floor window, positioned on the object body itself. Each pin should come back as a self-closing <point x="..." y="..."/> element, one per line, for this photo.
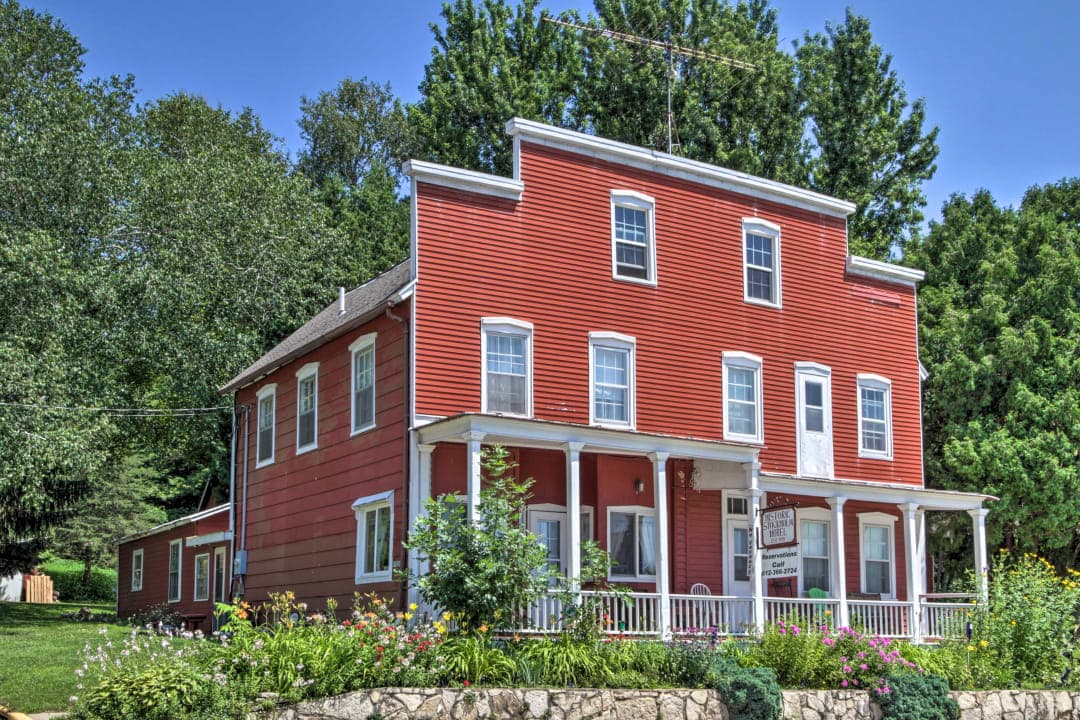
<point x="875" y="417"/>
<point x="813" y="409"/>
<point x="761" y="262"/>
<point x="632" y="542"/>
<point x="307" y="406"/>
<point x="264" y="451"/>
<point x="136" y="570"/>
<point x="633" y="241"/>
<point x="374" y="532"/>
<point x="175" y="553"/>
<point x="742" y="397"/>
<point x="363" y="383"/>
<point x="507" y="366"/>
<point x="612" y="379"/>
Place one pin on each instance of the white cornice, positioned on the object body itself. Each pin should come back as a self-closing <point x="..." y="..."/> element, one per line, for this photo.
<point x="883" y="492"/>
<point x="674" y="166"/>
<point x="467" y="180"/>
<point x="884" y="271"/>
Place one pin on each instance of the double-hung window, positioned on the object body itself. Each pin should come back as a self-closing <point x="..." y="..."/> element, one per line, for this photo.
<point x="876" y="531"/>
<point x="813" y="409"/>
<point x="175" y="556"/>
<point x="507" y="366"/>
<point x="202" y="577"/>
<point x="761" y="262"/>
<point x="611" y="370"/>
<point x="815" y="554"/>
<point x="875" y="417"/>
<point x="633" y="241"/>
<point x="363" y="383"/>
<point x="742" y="397"/>
<point x="632" y="542"/>
<point x="219" y="574"/>
<point x="136" y="570"/>
<point x="267" y="403"/>
<point x="374" y="533"/>
<point x="307" y="407"/>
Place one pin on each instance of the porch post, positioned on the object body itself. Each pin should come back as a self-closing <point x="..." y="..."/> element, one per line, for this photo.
<point x="659" y="461"/>
<point x="756" y="590"/>
<point x="418" y="509"/>
<point x="473" y="487"/>
<point x="914" y="582"/>
<point x="573" y="514"/>
<point x="837" y="505"/>
<point x="978" y="515"/>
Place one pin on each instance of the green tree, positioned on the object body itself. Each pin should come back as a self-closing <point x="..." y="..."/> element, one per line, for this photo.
<point x="491" y="62"/>
<point x="870" y="144"/>
<point x="481" y="569"/>
<point x="999" y="332"/>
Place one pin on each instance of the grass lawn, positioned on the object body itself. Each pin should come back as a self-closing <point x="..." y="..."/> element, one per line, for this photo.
<point x="39" y="653"/>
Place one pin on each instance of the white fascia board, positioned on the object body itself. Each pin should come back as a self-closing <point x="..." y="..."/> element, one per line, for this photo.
<point x="884" y="271"/>
<point x="674" y="166"/>
<point x="208" y="539"/>
<point x="891" y="493"/>
<point x="467" y="180"/>
<point x="194" y="517"/>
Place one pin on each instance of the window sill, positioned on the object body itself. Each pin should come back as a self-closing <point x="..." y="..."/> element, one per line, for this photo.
<point x="634" y="281"/>
<point x="362" y="430"/>
<point x="612" y="425"/>
<point x="497" y="413"/>
<point x="307" y="448"/>
<point x="866" y="455"/>
<point x="173" y="602"/>
<point x="762" y="303"/>
<point x="750" y="439"/>
<point x="205" y="599"/>
<point x="374" y="578"/>
<point x="632" y="578"/>
<point x="264" y="463"/>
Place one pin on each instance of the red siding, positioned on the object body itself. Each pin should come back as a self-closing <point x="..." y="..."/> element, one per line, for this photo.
<point x="155" y="589"/>
<point x="547" y="260"/>
<point x="301" y="529"/>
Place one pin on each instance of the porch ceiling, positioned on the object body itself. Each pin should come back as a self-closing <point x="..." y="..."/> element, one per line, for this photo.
<point x="556" y="435"/>
<point x="925" y="498"/>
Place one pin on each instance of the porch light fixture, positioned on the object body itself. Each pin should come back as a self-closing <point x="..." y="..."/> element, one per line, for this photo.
<point x="639" y="485"/>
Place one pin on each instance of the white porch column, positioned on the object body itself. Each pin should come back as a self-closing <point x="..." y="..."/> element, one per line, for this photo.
<point x="659" y="461"/>
<point x="418" y="509"/>
<point x="573" y="513"/>
<point x="757" y="592"/>
<point x="843" y="618"/>
<point x="914" y="581"/>
<point x="472" y="495"/>
<point x="981" y="563"/>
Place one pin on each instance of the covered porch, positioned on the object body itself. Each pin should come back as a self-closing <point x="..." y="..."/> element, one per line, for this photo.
<point x="680" y="518"/>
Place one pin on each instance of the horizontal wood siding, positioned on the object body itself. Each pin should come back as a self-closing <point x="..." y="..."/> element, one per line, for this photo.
<point x="547" y="260"/>
<point x="301" y="528"/>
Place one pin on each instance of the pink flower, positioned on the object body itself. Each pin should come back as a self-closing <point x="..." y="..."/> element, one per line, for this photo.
<point x="795" y="630"/>
<point x="843" y="683"/>
<point x="843" y="658"/>
<point x="828" y="641"/>
<point x="783" y="631"/>
<point x="863" y="666"/>
<point x="847" y="668"/>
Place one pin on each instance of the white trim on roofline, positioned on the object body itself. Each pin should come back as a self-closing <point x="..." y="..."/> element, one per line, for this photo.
<point x="674" y="166"/>
<point x="468" y="180"/>
<point x="884" y="271"/>
<point x="194" y="517"/>
<point x="873" y="491"/>
<point x="208" y="539"/>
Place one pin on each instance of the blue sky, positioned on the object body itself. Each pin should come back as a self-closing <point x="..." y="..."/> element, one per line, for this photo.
<point x="1001" y="78"/>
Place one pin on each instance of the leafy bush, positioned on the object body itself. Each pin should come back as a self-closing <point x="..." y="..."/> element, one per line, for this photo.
<point x="687" y="663"/>
<point x="162" y="617"/>
<point x="562" y="661"/>
<point x="749" y="693"/>
<point x="798" y="655"/>
<point x="67" y="577"/>
<point x="911" y="696"/>
<point x="949" y="661"/>
<point x="475" y="659"/>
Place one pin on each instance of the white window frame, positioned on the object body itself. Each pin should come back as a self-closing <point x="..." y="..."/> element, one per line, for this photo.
<point x="757" y="226"/>
<point x="179" y="543"/>
<point x="266" y="391"/>
<point x="744" y="522"/>
<point x="361" y="507"/>
<point x="635" y="201"/>
<point x="638" y="511"/>
<point x="360" y="346"/>
<point x="875" y="382"/>
<point x="812" y="370"/>
<point x="878" y="519"/>
<point x="308" y="371"/>
<point x="506" y="326"/>
<point x="538" y="511"/>
<point x="137" y="570"/>
<point x="818" y="515"/>
<point x="619" y="342"/>
<point x="201" y="557"/>
<point x="746" y="361"/>
<point x="220" y="593"/>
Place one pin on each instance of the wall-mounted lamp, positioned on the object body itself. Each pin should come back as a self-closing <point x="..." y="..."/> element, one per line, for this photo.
<point x="639" y="485"/>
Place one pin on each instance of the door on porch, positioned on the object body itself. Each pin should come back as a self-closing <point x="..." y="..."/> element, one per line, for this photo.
<point x="548" y="523"/>
<point x="736" y="558"/>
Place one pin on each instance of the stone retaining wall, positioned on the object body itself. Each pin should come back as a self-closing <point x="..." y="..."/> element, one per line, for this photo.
<point x="513" y="704"/>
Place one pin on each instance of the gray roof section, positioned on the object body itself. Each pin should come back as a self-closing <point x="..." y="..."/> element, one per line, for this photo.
<point x="361" y="305"/>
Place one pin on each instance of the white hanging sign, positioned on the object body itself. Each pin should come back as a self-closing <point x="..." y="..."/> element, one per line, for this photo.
<point x="780" y="562"/>
<point x="778" y="526"/>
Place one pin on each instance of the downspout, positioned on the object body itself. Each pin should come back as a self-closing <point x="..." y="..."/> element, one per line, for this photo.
<point x="244" y="501"/>
<point x="404" y="589"/>
<point x="232" y="494"/>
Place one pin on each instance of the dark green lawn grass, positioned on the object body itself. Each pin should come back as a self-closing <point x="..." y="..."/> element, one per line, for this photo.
<point x="39" y="653"/>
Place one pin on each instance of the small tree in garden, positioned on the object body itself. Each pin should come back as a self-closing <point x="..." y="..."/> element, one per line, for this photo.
<point x="481" y="570"/>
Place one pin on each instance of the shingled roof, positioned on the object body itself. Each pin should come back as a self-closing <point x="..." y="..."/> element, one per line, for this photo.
<point x="361" y="305"/>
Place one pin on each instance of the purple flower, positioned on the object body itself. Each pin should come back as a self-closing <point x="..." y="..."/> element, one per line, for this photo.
<point x="828" y="641"/>
<point x="795" y="630"/>
<point x="847" y="668"/>
<point x="863" y="667"/>
<point x="843" y="683"/>
<point x="843" y="658"/>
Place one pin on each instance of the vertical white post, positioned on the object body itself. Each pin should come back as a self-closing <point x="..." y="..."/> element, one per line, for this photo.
<point x="659" y="461"/>
<point x="418" y="509"/>
<point x="472" y="496"/>
<point x="573" y="514"/>
<point x="982" y="567"/>
<point x="843" y="618"/>
<point x="914" y="582"/>
<point x="757" y="592"/>
<point x="920" y="523"/>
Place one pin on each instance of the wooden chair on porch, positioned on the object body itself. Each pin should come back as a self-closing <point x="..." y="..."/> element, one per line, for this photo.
<point x="703" y="609"/>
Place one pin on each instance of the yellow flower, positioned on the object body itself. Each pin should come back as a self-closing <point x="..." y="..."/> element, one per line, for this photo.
<point x="408" y="616"/>
<point x="983" y="643"/>
<point x="483" y="628"/>
<point x="446" y="616"/>
<point x="1012" y="622"/>
<point x="413" y="606"/>
<point x="971" y="648"/>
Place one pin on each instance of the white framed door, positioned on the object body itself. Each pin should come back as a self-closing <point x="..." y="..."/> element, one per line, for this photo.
<point x="813" y="401"/>
<point x="737" y="558"/>
<point x="550" y="528"/>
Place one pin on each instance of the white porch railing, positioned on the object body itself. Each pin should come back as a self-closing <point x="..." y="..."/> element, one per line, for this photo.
<point x="638" y="613"/>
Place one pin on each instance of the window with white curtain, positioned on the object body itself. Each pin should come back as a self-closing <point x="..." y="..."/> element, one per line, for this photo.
<point x="632" y="542"/>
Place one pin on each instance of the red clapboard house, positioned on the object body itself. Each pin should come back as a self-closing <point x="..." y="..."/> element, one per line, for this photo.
<point x="685" y="359"/>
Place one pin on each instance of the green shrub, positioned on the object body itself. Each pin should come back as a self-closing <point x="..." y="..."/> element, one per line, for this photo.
<point x="749" y="693"/>
<point x="67" y="577"/>
<point x="798" y="654"/>
<point x="631" y="680"/>
<point x="687" y="663"/>
<point x="913" y="696"/>
<point x="474" y="658"/>
<point x="562" y="661"/>
<point x="949" y="661"/>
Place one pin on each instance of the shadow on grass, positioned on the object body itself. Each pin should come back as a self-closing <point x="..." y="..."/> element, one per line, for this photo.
<point x="27" y="615"/>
